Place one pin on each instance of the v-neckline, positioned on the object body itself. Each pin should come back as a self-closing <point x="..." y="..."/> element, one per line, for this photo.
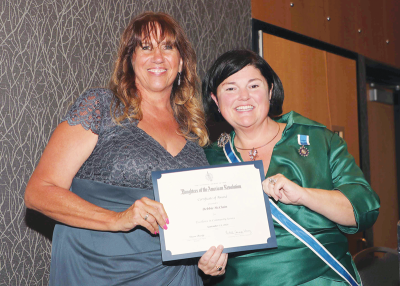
<point x="158" y="143"/>
<point x="272" y="154"/>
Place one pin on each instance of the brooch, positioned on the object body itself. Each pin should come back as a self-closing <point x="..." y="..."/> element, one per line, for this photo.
<point x="223" y="139"/>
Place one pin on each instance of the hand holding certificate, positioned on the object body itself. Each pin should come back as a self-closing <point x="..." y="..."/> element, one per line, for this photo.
<point x="219" y="205"/>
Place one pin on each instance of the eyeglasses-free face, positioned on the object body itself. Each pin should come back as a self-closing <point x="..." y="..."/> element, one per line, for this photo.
<point x="243" y="98"/>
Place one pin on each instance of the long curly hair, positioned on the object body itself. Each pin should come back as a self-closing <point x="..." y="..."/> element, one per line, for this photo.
<point x="185" y="98"/>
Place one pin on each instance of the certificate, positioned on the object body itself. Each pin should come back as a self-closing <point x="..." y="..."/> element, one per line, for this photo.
<point x="211" y="206"/>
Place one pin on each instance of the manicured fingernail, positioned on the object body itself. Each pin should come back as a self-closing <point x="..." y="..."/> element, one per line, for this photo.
<point x="167" y="221"/>
<point x="165" y="227"/>
<point x="156" y="232"/>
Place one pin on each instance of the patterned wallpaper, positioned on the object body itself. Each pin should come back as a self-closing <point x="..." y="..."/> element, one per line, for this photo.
<point x="50" y="52"/>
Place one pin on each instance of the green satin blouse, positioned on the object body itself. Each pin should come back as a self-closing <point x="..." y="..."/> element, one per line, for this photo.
<point x="328" y="166"/>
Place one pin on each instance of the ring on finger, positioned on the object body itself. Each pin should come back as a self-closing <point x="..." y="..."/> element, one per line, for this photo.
<point x="272" y="181"/>
<point x="219" y="268"/>
<point x="146" y="216"/>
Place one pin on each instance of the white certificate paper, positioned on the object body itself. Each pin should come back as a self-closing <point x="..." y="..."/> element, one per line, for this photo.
<point x="211" y="206"/>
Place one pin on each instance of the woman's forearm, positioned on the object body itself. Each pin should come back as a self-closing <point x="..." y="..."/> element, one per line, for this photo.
<point x="66" y="207"/>
<point x="48" y="189"/>
<point x="330" y="203"/>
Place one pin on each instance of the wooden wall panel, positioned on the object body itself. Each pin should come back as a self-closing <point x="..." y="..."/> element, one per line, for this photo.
<point x="276" y="12"/>
<point x="383" y="172"/>
<point x="320" y="86"/>
<point x="378" y="21"/>
<point x="371" y="15"/>
<point x="280" y="13"/>
<point x="342" y="94"/>
<point x="342" y="29"/>
<point x="294" y="63"/>
<point x="315" y="12"/>
<point x="390" y="28"/>
<point x="365" y="39"/>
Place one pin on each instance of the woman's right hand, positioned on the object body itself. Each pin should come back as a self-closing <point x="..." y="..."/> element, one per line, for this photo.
<point x="144" y="212"/>
<point x="213" y="262"/>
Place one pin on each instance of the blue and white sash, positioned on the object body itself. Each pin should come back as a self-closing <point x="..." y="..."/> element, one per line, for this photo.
<point x="297" y="230"/>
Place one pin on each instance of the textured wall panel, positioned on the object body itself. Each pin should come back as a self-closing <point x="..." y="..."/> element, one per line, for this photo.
<point x="50" y="52"/>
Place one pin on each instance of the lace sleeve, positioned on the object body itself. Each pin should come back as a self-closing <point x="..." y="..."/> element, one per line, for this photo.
<point x="86" y="111"/>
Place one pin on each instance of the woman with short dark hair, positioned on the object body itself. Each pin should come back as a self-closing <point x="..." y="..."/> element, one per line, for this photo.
<point x="317" y="192"/>
<point x="230" y="63"/>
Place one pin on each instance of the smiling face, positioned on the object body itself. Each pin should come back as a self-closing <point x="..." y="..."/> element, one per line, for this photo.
<point x="156" y="65"/>
<point x="243" y="98"/>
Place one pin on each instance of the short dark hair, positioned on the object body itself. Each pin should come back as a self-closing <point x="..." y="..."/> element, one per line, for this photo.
<point x="230" y="63"/>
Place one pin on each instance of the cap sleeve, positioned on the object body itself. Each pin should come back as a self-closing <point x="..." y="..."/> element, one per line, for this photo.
<point x="86" y="111"/>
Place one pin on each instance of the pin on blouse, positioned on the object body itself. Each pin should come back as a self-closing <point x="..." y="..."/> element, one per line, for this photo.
<point x="303" y="140"/>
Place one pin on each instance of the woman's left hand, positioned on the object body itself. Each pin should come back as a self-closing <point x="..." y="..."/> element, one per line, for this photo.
<point x="330" y="203"/>
<point x="213" y="262"/>
<point x="283" y="190"/>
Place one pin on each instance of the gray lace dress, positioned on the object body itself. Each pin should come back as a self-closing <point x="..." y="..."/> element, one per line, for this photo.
<point x="117" y="173"/>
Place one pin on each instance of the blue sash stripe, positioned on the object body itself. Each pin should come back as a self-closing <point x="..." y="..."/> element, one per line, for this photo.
<point x="298" y="231"/>
<point x="230" y="155"/>
<point x="308" y="239"/>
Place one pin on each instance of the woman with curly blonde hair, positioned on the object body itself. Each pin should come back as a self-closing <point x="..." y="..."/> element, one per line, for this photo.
<point x="94" y="176"/>
<point x="185" y="99"/>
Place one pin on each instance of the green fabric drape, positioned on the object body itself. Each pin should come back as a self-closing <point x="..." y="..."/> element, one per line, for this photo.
<point x="328" y="166"/>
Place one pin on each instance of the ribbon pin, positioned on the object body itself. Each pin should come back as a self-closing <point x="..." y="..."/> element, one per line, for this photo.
<point x="303" y="140"/>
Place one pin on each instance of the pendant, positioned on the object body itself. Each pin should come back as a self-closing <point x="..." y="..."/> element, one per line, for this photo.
<point x="253" y="154"/>
<point x="303" y="151"/>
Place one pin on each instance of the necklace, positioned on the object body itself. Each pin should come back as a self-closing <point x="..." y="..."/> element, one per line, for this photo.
<point x="253" y="153"/>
